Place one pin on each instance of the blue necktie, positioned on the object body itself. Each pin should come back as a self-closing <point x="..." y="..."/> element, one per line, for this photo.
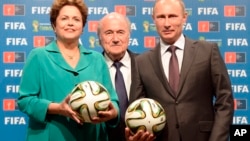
<point x="173" y="70"/>
<point x="121" y="89"/>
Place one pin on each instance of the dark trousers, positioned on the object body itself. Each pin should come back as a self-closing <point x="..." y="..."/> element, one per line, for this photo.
<point x="118" y="133"/>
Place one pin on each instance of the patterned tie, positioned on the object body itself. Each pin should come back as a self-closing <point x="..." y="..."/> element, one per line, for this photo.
<point x="121" y="89"/>
<point x="173" y="69"/>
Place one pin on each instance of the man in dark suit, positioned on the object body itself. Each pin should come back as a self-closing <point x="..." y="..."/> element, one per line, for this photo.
<point x="114" y="34"/>
<point x="199" y="105"/>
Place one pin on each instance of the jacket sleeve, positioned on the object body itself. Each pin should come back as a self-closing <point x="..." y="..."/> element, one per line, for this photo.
<point x="224" y="105"/>
<point x="28" y="100"/>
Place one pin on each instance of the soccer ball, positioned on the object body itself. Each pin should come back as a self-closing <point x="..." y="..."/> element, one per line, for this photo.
<point x="145" y="114"/>
<point x="87" y="98"/>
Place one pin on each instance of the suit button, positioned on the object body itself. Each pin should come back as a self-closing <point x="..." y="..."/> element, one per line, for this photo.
<point x="176" y="102"/>
<point x="177" y="126"/>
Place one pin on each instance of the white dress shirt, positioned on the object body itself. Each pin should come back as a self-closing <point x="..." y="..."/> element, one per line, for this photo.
<point x="125" y="69"/>
<point x="165" y="55"/>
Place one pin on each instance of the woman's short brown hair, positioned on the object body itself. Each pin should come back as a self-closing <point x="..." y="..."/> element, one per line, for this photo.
<point x="59" y="4"/>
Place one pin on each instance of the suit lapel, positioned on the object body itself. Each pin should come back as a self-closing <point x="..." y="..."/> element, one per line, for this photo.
<point x="56" y="57"/>
<point x="155" y="58"/>
<point x="133" y="72"/>
<point x="189" y="54"/>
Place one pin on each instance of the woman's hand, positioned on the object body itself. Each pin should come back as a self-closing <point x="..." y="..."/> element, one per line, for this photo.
<point x="64" y="109"/>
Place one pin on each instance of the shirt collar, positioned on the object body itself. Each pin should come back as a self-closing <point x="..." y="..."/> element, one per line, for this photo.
<point x="54" y="48"/>
<point x="125" y="60"/>
<point x="179" y="43"/>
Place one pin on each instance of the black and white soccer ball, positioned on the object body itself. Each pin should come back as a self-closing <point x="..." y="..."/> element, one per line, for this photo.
<point x="145" y="114"/>
<point x="87" y="98"/>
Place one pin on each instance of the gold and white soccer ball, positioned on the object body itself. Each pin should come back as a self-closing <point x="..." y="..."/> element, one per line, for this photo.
<point x="145" y="114"/>
<point x="87" y="98"/>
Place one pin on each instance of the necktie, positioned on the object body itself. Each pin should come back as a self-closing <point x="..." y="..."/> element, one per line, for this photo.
<point x="173" y="69"/>
<point x="121" y="89"/>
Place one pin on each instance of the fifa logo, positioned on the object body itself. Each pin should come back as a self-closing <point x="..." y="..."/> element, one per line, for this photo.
<point x="35" y="25"/>
<point x="147" y="27"/>
<point x="93" y="42"/>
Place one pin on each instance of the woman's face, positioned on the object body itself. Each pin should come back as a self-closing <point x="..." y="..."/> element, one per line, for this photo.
<point x="69" y="25"/>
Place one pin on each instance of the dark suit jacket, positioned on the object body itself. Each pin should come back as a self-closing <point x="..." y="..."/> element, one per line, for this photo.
<point x="203" y="107"/>
<point x="118" y="134"/>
